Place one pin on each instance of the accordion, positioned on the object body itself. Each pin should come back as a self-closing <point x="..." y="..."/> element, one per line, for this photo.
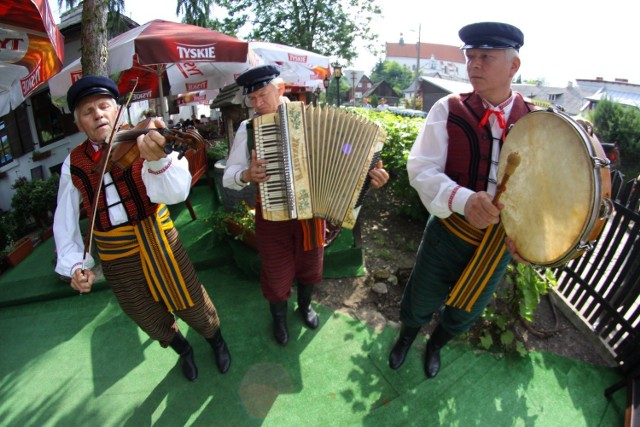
<point x="319" y="159"/>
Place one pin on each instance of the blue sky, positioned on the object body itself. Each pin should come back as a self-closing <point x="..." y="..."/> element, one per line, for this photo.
<point x="564" y="39"/>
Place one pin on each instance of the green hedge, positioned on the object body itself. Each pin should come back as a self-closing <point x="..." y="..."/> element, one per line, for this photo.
<point x="401" y="134"/>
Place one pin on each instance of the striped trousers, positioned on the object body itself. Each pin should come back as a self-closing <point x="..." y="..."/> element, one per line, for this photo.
<point x="283" y="258"/>
<point x="132" y="293"/>
<point x="441" y="260"/>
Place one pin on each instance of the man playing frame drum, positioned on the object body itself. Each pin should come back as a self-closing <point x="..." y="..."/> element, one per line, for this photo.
<point x="453" y="165"/>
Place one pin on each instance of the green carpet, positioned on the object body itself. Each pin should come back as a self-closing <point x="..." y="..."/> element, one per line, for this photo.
<point x="70" y="360"/>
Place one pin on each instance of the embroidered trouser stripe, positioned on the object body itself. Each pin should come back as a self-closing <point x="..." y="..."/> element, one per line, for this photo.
<point x="132" y="292"/>
<point x="283" y="258"/>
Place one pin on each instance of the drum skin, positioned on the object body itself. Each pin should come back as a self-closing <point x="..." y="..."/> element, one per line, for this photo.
<point x="553" y="202"/>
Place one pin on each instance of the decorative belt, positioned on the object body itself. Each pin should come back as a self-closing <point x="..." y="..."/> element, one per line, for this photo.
<point x="159" y="265"/>
<point x="490" y="248"/>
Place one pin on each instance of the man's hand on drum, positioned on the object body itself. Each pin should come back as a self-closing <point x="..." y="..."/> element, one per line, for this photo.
<point x="378" y="175"/>
<point x="257" y="171"/>
<point x="82" y="281"/>
<point x="480" y="210"/>
<point x="511" y="247"/>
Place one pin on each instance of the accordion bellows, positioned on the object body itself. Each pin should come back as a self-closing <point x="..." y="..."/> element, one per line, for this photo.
<point x="319" y="159"/>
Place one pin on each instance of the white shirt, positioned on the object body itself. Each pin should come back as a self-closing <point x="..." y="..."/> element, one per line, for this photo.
<point x="428" y="158"/>
<point x="238" y="160"/>
<point x="170" y="186"/>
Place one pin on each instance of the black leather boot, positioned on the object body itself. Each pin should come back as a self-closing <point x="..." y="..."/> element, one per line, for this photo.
<point x="438" y="339"/>
<point x="309" y="315"/>
<point x="181" y="346"/>
<point x="279" y="314"/>
<point x="223" y="357"/>
<point x="400" y="350"/>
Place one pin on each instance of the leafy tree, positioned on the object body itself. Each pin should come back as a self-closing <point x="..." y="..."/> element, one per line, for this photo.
<point x="101" y="20"/>
<point x="395" y="74"/>
<point x="614" y="122"/>
<point x="328" y="28"/>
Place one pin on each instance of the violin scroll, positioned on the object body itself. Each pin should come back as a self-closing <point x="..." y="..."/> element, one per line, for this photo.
<point x="180" y="141"/>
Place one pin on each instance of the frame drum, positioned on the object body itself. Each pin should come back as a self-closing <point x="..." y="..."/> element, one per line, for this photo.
<point x="557" y="201"/>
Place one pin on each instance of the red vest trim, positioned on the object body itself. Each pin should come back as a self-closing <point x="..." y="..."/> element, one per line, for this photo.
<point x="469" y="151"/>
<point x="129" y="186"/>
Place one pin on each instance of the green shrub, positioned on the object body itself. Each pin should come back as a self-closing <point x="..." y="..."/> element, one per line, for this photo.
<point x="34" y="201"/>
<point x="401" y="134"/>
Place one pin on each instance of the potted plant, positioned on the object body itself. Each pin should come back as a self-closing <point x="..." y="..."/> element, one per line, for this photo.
<point x="239" y="223"/>
<point x="18" y="251"/>
<point x="217" y="151"/>
<point x="40" y="155"/>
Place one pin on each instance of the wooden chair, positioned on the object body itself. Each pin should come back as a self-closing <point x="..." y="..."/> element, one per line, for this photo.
<point x="632" y="383"/>
<point x="197" y="157"/>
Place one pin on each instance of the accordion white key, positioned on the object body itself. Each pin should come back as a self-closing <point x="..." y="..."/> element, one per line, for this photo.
<point x="319" y="159"/>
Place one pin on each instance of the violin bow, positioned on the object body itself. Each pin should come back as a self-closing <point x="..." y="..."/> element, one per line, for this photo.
<point x="88" y="242"/>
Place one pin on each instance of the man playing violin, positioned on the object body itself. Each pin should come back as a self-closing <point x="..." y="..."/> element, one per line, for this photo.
<point x="142" y="257"/>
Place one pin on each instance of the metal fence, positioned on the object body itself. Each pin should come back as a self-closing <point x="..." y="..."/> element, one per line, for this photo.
<point x="603" y="286"/>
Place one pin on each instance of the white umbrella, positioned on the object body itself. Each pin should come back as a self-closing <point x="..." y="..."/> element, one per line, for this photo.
<point x="298" y="67"/>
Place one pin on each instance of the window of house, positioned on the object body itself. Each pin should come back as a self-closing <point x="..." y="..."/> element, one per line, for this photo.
<point x="5" y="149"/>
<point x="553" y="97"/>
<point x="15" y="135"/>
<point x="51" y="124"/>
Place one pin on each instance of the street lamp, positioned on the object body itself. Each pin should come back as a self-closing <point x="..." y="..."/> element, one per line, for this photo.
<point x="353" y="87"/>
<point x="326" y="83"/>
<point x="415" y="93"/>
<point x="337" y="73"/>
<point x="317" y="93"/>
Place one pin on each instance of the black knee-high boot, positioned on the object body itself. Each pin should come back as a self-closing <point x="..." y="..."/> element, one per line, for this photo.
<point x="438" y="339"/>
<point x="181" y="346"/>
<point x="401" y="348"/>
<point x="279" y="314"/>
<point x="309" y="315"/>
<point x="220" y="349"/>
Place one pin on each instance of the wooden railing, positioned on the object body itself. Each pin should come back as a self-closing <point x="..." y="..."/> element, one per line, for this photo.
<point x="603" y="286"/>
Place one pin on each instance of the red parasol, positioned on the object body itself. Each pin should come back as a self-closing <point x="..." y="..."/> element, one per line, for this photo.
<point x="158" y="46"/>
<point x="31" y="50"/>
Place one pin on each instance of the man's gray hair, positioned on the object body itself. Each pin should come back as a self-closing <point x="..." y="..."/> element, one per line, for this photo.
<point x="511" y="53"/>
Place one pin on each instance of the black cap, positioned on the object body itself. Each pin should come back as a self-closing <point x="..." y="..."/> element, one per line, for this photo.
<point x="491" y="35"/>
<point x="90" y="85"/>
<point x="257" y="77"/>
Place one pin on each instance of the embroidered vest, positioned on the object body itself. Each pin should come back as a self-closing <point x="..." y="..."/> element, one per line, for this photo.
<point x="469" y="151"/>
<point x="128" y="184"/>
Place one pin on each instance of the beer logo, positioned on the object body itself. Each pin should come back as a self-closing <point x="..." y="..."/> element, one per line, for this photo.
<point x="32" y="81"/>
<point x="302" y="59"/>
<point x="197" y="86"/>
<point x="139" y="96"/>
<point x="13" y="45"/>
<point x="196" y="52"/>
<point x="75" y="76"/>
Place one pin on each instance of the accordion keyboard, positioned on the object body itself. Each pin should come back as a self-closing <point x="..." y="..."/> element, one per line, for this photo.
<point x="270" y="148"/>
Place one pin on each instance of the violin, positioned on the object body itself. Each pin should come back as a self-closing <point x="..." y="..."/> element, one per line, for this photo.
<point x="124" y="148"/>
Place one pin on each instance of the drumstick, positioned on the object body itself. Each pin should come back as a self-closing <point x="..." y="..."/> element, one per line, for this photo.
<point x="513" y="160"/>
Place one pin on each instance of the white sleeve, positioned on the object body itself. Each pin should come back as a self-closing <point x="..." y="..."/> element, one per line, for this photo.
<point x="66" y="227"/>
<point x="238" y="160"/>
<point x="167" y="180"/>
<point x="426" y="164"/>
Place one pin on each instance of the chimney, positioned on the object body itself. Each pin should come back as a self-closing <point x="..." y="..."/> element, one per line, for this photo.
<point x="599" y="79"/>
<point x="619" y="80"/>
<point x="401" y="40"/>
